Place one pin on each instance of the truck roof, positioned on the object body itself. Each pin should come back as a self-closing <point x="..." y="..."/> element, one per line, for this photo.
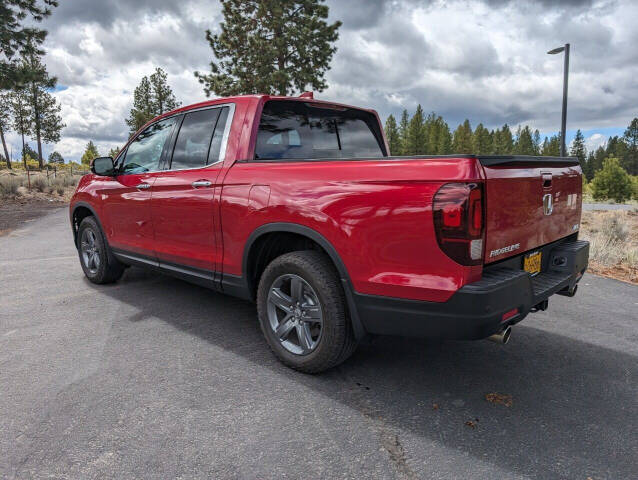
<point x="261" y="97"/>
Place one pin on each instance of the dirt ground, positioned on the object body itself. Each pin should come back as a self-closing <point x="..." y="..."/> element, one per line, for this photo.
<point x="613" y="238"/>
<point x="15" y="212"/>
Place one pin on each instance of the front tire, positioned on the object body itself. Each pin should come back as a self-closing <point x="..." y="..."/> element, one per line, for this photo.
<point x="97" y="261"/>
<point x="302" y="312"/>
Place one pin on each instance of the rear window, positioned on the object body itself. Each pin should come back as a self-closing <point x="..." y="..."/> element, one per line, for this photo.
<point x="294" y="129"/>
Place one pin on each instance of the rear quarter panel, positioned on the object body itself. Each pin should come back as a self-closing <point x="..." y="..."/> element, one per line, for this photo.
<point x="382" y="229"/>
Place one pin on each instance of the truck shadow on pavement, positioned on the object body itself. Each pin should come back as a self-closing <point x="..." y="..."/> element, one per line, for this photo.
<point x="574" y="405"/>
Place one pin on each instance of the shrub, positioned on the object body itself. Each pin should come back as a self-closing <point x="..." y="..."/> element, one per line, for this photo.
<point x="615" y="228"/>
<point x="9" y="185"/>
<point x="68" y="180"/>
<point x="38" y="183"/>
<point x="612" y="181"/>
<point x="59" y="184"/>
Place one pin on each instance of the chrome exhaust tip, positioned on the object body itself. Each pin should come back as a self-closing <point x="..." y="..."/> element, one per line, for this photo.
<point x="501" y="337"/>
<point x="569" y="292"/>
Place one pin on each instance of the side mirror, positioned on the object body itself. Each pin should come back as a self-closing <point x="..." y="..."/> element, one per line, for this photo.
<point x="103" y="166"/>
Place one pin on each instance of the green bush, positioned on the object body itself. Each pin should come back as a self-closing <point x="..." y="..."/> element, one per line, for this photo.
<point x="634" y="181"/>
<point x="612" y="181"/>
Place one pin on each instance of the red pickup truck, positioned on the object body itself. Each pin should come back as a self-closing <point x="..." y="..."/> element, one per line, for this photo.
<point x="296" y="204"/>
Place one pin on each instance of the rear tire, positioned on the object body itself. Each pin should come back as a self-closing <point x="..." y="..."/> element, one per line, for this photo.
<point x="302" y="312"/>
<point x="97" y="260"/>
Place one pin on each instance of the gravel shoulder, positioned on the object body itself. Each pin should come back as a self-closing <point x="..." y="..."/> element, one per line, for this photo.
<point x="16" y="212"/>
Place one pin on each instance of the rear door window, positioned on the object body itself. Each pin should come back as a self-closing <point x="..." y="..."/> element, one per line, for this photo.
<point x="295" y="130"/>
<point x="194" y="139"/>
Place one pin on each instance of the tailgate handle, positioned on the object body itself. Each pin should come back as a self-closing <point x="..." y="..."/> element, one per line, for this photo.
<point x="547" y="180"/>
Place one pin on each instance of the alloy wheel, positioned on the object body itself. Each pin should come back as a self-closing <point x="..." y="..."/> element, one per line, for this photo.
<point x="90" y="251"/>
<point x="295" y="314"/>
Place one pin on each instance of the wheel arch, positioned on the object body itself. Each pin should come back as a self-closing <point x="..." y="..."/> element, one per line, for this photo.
<point x="253" y="246"/>
<point x="80" y="211"/>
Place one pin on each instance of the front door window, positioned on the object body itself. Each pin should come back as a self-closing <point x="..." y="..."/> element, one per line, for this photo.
<point x="144" y="153"/>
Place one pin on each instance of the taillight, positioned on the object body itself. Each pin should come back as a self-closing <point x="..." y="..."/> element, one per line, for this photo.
<point x="458" y="221"/>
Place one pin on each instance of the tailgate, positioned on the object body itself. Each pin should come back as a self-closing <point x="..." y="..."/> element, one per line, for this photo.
<point x="530" y="201"/>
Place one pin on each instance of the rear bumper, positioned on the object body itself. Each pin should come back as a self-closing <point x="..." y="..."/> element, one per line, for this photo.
<point x="476" y="310"/>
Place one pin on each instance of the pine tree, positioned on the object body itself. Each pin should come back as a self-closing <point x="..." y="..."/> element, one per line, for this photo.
<point x="551" y="147"/>
<point x="46" y="122"/>
<point x="430" y="134"/>
<point x="437" y="135"/>
<point x="5" y="124"/>
<point x="524" y="144"/>
<point x="536" y="141"/>
<point x="415" y="137"/>
<point x="163" y="99"/>
<point x="616" y="147"/>
<point x="403" y="131"/>
<point x="30" y="152"/>
<point x="481" y="141"/>
<point x="599" y="158"/>
<point x="270" y="46"/>
<point x="152" y="97"/>
<point x="630" y="137"/>
<point x="143" y="109"/>
<point x="19" y="103"/>
<point x="18" y="35"/>
<point x="444" y="147"/>
<point x="578" y="149"/>
<point x="114" y="152"/>
<point x="89" y="153"/>
<point x="503" y="141"/>
<point x="392" y="135"/>
<point x="55" y="157"/>
<point x="588" y="171"/>
<point x="462" y="138"/>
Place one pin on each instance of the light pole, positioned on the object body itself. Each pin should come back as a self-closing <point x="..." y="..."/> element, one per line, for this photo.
<point x="563" y="125"/>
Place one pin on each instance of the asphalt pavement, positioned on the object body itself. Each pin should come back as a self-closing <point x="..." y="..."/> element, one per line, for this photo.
<point x="608" y="206"/>
<point x="155" y="378"/>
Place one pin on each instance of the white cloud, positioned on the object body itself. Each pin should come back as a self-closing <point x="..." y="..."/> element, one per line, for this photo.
<point x="594" y="141"/>
<point x="484" y="60"/>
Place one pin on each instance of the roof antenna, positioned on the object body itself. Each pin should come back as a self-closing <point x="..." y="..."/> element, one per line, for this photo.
<point x="307" y="95"/>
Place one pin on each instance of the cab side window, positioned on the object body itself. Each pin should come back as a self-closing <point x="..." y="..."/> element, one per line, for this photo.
<point x="200" y="138"/>
<point x="194" y="138"/>
<point x="144" y="153"/>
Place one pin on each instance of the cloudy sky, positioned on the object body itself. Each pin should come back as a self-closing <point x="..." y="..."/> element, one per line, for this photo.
<point x="479" y="59"/>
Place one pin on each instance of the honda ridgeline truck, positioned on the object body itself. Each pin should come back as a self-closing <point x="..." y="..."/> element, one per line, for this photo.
<point x="296" y="204"/>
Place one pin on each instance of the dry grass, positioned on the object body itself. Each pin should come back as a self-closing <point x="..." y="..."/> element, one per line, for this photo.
<point x="14" y="185"/>
<point x="614" y="243"/>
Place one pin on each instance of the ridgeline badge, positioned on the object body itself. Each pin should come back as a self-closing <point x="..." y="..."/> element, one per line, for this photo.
<point x="500" y="251"/>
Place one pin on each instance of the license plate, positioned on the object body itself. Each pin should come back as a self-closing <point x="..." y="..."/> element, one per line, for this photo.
<point x="532" y="263"/>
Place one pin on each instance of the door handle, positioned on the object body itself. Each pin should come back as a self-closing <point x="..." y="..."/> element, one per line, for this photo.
<point x="143" y="186"/>
<point x="201" y="183"/>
